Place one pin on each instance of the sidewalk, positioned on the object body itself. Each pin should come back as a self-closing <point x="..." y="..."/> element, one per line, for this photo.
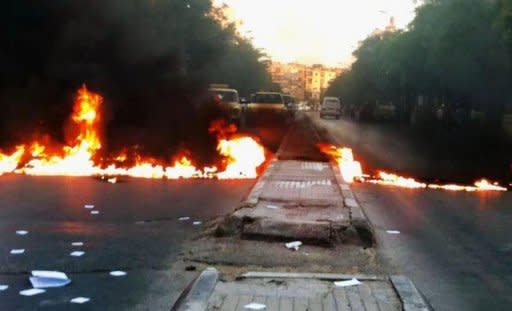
<point x="301" y="292"/>
<point x="301" y="196"/>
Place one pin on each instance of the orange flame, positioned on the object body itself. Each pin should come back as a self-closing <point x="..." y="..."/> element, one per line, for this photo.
<point x="8" y="163"/>
<point x="243" y="155"/>
<point x="351" y="170"/>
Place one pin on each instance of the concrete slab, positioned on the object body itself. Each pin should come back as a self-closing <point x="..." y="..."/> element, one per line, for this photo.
<point x="274" y="220"/>
<point x="295" y="293"/>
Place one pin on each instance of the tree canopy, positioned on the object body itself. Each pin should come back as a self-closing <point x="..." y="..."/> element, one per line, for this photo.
<point x="457" y="50"/>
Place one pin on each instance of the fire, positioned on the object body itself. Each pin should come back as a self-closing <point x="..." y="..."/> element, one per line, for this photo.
<point x="242" y="154"/>
<point x="399" y="181"/>
<point x="351" y="170"/>
<point x="8" y="163"/>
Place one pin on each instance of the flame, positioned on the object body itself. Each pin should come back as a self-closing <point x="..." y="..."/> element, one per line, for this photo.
<point x="242" y="154"/>
<point x="351" y="170"/>
<point x="399" y="181"/>
<point x="8" y="163"/>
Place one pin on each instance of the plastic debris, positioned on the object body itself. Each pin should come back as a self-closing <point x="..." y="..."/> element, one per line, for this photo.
<point x="183" y="218"/>
<point x="17" y="251"/>
<point x="32" y="292"/>
<point x="196" y="223"/>
<point x="117" y="273"/>
<point x="294" y="245"/>
<point x="89" y="206"/>
<point x="95" y="212"/>
<point x="393" y="231"/>
<point x="351" y="282"/>
<point x="255" y="306"/>
<point x="272" y="206"/>
<point x="77" y="244"/>
<point x="3" y="287"/>
<point x="80" y="300"/>
<point x="112" y="180"/>
<point x="21" y="232"/>
<point x="76" y="253"/>
<point x="47" y="279"/>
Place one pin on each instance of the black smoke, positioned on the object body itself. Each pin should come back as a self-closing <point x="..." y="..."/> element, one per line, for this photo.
<point x="147" y="58"/>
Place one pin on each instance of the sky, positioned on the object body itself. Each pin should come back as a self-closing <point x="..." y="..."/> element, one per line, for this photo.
<point x="320" y="31"/>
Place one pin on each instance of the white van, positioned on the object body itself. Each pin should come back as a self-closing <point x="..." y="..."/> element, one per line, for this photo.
<point x="331" y="106"/>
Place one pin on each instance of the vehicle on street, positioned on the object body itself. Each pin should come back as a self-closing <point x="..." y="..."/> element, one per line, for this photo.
<point x="330" y="107"/>
<point x="289" y="102"/>
<point x="227" y="99"/>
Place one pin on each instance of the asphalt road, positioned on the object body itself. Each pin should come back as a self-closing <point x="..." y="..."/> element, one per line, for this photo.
<point x="456" y="247"/>
<point x="137" y="230"/>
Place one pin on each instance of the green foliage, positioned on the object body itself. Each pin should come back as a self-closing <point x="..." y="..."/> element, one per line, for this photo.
<point x="458" y="50"/>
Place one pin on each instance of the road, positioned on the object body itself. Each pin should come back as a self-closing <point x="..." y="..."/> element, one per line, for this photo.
<point x="137" y="231"/>
<point x="456" y="247"/>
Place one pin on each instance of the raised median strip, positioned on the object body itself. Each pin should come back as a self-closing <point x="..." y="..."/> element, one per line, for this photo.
<point x="304" y="200"/>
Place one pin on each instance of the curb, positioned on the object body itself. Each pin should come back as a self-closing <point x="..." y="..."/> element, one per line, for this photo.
<point x="411" y="298"/>
<point x="358" y="218"/>
<point x="195" y="296"/>
<point x="253" y="198"/>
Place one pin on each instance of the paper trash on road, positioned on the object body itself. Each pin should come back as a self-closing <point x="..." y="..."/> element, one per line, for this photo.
<point x="272" y="206"/>
<point x="21" y="232"/>
<point x="17" y="251"/>
<point x="393" y="231"/>
<point x="195" y="223"/>
<point x="255" y="306"/>
<point x="3" y="287"/>
<point x="294" y="245"/>
<point x="117" y="273"/>
<point x="32" y="292"/>
<point x="80" y="300"/>
<point x="351" y="282"/>
<point x="183" y="218"/>
<point x="77" y="244"/>
<point x="89" y="206"/>
<point x="95" y="212"/>
<point x="76" y="253"/>
<point x="47" y="279"/>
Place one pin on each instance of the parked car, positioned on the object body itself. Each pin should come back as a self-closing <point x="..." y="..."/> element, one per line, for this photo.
<point x="331" y="106"/>
<point x="228" y="100"/>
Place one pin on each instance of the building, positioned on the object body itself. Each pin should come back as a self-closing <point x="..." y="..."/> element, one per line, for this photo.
<point x="302" y="81"/>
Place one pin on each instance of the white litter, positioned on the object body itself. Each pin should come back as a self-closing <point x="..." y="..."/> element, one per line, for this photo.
<point x="112" y="180"/>
<point x="95" y="212"/>
<point x="3" y="287"/>
<point x="183" y="218"/>
<point x="76" y="253"/>
<point x="295" y="245"/>
<point x="17" y="251"/>
<point x="273" y="206"/>
<point x="393" y="231"/>
<point x="117" y="273"/>
<point x="21" y="232"/>
<point x="89" y="206"/>
<point x="47" y="279"/>
<point x="351" y="282"/>
<point x="32" y="292"/>
<point x="80" y="300"/>
<point x="77" y="244"/>
<point x="255" y="306"/>
<point x="195" y="223"/>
